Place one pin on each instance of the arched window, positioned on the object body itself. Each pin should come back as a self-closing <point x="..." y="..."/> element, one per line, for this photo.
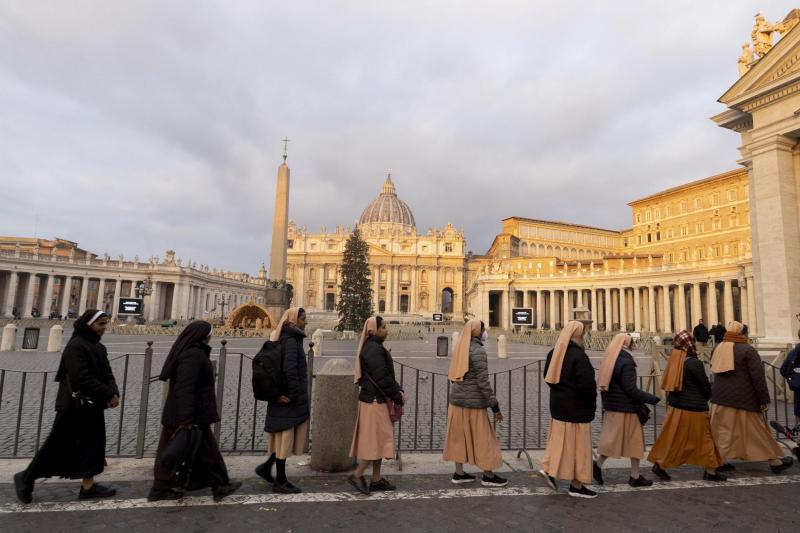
<point x="424" y="276"/>
<point x="447" y="300"/>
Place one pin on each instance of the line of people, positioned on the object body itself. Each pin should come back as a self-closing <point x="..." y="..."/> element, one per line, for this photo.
<point x="733" y="428"/>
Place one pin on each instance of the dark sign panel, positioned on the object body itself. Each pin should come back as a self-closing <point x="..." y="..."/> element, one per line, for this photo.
<point x="522" y="317"/>
<point x="438" y="317"/>
<point x="130" y="306"/>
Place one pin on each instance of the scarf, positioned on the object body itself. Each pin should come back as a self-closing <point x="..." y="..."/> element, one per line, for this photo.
<point x="553" y="375"/>
<point x="191" y="335"/>
<point x="620" y="341"/>
<point x="370" y="328"/>
<point x="459" y="364"/>
<point x="684" y="346"/>
<point x="289" y="318"/>
<point x="722" y="358"/>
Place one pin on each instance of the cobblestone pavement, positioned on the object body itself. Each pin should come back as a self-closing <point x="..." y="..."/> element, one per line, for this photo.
<point x="517" y="381"/>
<point x="752" y="501"/>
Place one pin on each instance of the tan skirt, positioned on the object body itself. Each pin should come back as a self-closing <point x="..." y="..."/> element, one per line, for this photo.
<point x="743" y="434"/>
<point x="622" y="436"/>
<point x="288" y="442"/>
<point x="685" y="439"/>
<point x="569" y="451"/>
<point x="471" y="439"/>
<point x="373" y="437"/>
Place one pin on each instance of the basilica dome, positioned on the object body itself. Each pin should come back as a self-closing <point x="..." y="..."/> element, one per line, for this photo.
<point x="388" y="208"/>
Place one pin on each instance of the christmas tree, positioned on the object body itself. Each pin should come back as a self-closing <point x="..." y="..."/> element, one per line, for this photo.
<point x="355" y="300"/>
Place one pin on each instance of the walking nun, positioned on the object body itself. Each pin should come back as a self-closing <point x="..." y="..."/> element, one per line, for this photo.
<point x="470" y="436"/>
<point x="373" y="437"/>
<point x="686" y="437"/>
<point x="739" y="401"/>
<point x="76" y="446"/>
<point x="573" y="400"/>
<point x="622" y="434"/>
<point x="191" y="402"/>
<point x="287" y="419"/>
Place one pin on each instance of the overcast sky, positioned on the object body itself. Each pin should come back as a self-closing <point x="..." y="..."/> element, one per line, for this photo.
<point x="135" y="127"/>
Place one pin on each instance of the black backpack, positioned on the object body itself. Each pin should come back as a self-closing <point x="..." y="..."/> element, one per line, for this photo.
<point x="268" y="372"/>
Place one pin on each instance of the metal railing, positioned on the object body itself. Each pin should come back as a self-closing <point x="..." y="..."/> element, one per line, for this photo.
<point x="133" y="429"/>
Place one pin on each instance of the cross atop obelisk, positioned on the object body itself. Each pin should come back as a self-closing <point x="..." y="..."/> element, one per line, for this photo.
<point x="285" y="142"/>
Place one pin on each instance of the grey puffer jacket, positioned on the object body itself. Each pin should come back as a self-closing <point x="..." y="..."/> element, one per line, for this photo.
<point x="475" y="391"/>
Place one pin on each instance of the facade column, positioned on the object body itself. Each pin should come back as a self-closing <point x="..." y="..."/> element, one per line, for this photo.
<point x="744" y="306"/>
<point x="11" y="293"/>
<point x="595" y="314"/>
<point x="697" y="304"/>
<point x="727" y="301"/>
<point x="177" y="295"/>
<point x="637" y="309"/>
<point x="667" y="309"/>
<point x="396" y="290"/>
<point x="376" y="286"/>
<point x="153" y="304"/>
<point x="651" y="309"/>
<point x="539" y="309"/>
<point x="579" y="303"/>
<point x="66" y="296"/>
<point x="608" y="319"/>
<point x="84" y="295"/>
<point x="101" y="292"/>
<point x="47" y="305"/>
<point x="681" y="307"/>
<point x="552" y="317"/>
<point x="566" y="304"/>
<point x="713" y="309"/>
<point x="389" y="287"/>
<point x="412" y="297"/>
<point x="27" y="304"/>
<point x="505" y="323"/>
<point x="117" y="295"/>
<point x="623" y="309"/>
<point x="751" y="307"/>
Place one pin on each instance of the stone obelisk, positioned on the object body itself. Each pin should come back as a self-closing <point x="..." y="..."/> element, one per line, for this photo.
<point x="277" y="296"/>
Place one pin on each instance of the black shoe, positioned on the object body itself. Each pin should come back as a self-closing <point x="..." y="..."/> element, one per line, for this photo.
<point x="286" y="488"/>
<point x="550" y="480"/>
<point x="264" y="471"/>
<point x="494" y="481"/>
<point x="458" y="479"/>
<point x="597" y="473"/>
<point x="727" y="467"/>
<point x="714" y="477"/>
<point x="24" y="492"/>
<point x="96" y="491"/>
<point x="359" y="483"/>
<point x="661" y="473"/>
<point x="582" y="492"/>
<point x="381" y="485"/>
<point x="786" y="462"/>
<point x="226" y="490"/>
<point x="157" y="495"/>
<point x="640" y="481"/>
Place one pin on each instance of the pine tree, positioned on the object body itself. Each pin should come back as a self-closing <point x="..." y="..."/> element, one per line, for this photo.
<point x="355" y="300"/>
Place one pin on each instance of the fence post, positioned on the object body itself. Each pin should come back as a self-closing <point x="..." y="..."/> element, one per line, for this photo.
<point x="310" y="378"/>
<point x="222" y="361"/>
<point x="144" y="399"/>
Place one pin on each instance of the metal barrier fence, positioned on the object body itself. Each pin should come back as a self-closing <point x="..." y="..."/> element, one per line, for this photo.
<point x="133" y="429"/>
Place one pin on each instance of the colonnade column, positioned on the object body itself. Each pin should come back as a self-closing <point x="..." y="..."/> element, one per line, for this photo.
<point x="667" y="310"/>
<point x="84" y="295"/>
<point x="637" y="309"/>
<point x="681" y="307"/>
<point x="607" y="316"/>
<point x="66" y="295"/>
<point x="11" y="293"/>
<point x="727" y="301"/>
<point x="651" y="309"/>
<point x="565" y="304"/>
<point x="47" y="305"/>
<point x="539" y="309"/>
<point x="117" y="296"/>
<point x="323" y="273"/>
<point x="711" y="297"/>
<point x="623" y="309"/>
<point x="504" y="310"/>
<point x="27" y="304"/>
<point x="552" y="316"/>
<point x="743" y="306"/>
<point x="595" y="315"/>
<point x="751" y="306"/>
<point x="101" y="292"/>
<point x="697" y="304"/>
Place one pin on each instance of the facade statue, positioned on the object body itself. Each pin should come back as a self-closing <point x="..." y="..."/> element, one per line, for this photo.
<point x="762" y="35"/>
<point x="746" y="59"/>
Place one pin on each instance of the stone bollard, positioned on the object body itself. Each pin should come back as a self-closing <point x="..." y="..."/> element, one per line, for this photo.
<point x="333" y="416"/>
<point x="54" y="339"/>
<point x="9" y="338"/>
<point x="317" y="338"/>
<point x="502" y="347"/>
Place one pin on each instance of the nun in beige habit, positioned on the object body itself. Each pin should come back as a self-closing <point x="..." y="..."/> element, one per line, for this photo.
<point x="471" y="439"/>
<point x="573" y="400"/>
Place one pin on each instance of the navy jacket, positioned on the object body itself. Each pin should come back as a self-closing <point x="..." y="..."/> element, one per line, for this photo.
<point x="623" y="389"/>
<point x="282" y="416"/>
<point x="574" y="398"/>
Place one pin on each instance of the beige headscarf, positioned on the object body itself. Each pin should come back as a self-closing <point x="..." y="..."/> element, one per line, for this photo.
<point x="620" y="341"/>
<point x="370" y="328"/>
<point x="459" y="364"/>
<point x="672" y="380"/>
<point x="290" y="318"/>
<point x="722" y="358"/>
<point x="553" y="375"/>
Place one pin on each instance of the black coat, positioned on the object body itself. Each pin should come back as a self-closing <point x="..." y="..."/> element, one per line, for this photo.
<point x="282" y="416"/>
<point x="696" y="388"/>
<point x="744" y="387"/>
<point x="191" y="398"/>
<point x="574" y="398"/>
<point x="376" y="361"/>
<point x="718" y="332"/>
<point x="623" y="389"/>
<point x="84" y="367"/>
<point x="700" y="333"/>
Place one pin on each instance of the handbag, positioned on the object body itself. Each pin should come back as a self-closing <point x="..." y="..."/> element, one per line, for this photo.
<point x="80" y="402"/>
<point x="395" y="409"/>
<point x="642" y="411"/>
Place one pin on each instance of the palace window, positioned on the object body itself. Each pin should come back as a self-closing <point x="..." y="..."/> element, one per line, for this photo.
<point x="715" y="199"/>
<point x="658" y="235"/>
<point x="684" y="231"/>
<point x="658" y="214"/>
<point x="383" y="246"/>
<point x="733" y="221"/>
<point x="669" y="211"/>
<point x="670" y="234"/>
<point x="699" y="253"/>
<point x="313" y="246"/>
<point x="731" y="195"/>
<point x="638" y="218"/>
<point x="735" y="248"/>
<point x="649" y="237"/>
<point x="331" y="246"/>
<point x="684" y="255"/>
<point x="424" y="248"/>
<point x="290" y="243"/>
<point x="448" y="247"/>
<point x="700" y="227"/>
<point x="649" y="215"/>
<point x="716" y="223"/>
<point x="717" y="250"/>
<point x="684" y="206"/>
<point x="638" y="239"/>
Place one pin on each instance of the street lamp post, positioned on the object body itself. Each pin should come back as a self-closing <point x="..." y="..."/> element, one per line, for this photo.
<point x="144" y="288"/>
<point x="222" y="302"/>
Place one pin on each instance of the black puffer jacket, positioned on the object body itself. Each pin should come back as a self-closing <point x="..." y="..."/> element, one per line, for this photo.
<point x="696" y="388"/>
<point x="191" y="398"/>
<point x="744" y="387"/>
<point x="282" y="416"/>
<point x="475" y="391"/>
<point x="574" y="398"/>
<point x="376" y="361"/>
<point x="623" y="390"/>
<point x="84" y="366"/>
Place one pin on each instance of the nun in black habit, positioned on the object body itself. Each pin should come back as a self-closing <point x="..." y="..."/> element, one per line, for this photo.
<point x="76" y="446"/>
<point x="191" y="401"/>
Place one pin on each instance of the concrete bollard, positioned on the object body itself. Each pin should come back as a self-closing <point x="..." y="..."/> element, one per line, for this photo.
<point x="333" y="415"/>
<point x="502" y="347"/>
<point x="54" y="339"/>
<point x="318" y="337"/>
<point x="9" y="338"/>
